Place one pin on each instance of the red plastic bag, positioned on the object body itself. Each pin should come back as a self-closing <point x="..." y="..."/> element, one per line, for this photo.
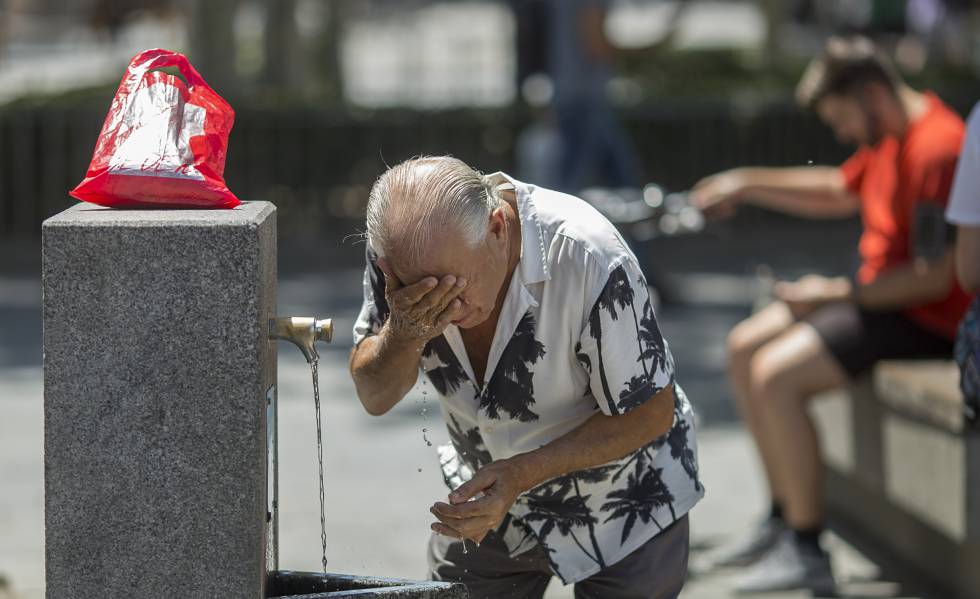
<point x="164" y="141"/>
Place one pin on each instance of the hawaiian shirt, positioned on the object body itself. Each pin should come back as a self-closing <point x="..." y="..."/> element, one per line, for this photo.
<point x="576" y="335"/>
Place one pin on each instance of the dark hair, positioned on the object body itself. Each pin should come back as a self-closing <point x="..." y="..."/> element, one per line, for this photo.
<point x="842" y="68"/>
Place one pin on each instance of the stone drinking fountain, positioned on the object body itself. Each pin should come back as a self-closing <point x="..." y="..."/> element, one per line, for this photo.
<point x="160" y="331"/>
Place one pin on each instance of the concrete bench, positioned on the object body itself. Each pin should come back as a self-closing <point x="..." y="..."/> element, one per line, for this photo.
<point x="903" y="473"/>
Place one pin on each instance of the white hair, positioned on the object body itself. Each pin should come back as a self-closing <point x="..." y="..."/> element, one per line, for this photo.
<point x="418" y="198"/>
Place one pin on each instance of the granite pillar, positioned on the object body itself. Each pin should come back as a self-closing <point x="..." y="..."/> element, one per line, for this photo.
<point x="157" y="380"/>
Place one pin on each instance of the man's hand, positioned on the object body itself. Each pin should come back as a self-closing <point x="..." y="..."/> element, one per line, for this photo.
<point x="811" y="292"/>
<point x="718" y="195"/>
<point x="421" y="311"/>
<point x="496" y="487"/>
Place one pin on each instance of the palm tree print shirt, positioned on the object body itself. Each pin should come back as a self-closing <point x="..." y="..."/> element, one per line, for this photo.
<point x="576" y="335"/>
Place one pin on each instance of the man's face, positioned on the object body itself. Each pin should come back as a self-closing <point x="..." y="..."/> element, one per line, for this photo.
<point x="484" y="267"/>
<point x="851" y="119"/>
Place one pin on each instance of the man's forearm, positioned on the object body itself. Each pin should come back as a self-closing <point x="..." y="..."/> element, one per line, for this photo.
<point x="384" y="370"/>
<point x="908" y="285"/>
<point x="812" y="192"/>
<point x="599" y="440"/>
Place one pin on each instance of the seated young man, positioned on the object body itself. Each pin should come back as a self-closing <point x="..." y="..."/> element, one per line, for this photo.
<point x="823" y="332"/>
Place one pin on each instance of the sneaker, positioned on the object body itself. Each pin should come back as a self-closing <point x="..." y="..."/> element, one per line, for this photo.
<point x="789" y="566"/>
<point x="746" y="551"/>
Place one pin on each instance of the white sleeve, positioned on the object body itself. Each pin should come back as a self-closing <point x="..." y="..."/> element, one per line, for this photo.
<point x="964" y="199"/>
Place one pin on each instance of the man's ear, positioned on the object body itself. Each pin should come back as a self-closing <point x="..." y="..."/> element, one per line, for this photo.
<point x="498" y="222"/>
<point x="876" y="95"/>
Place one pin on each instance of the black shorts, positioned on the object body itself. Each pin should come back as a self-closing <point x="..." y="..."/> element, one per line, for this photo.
<point x="857" y="338"/>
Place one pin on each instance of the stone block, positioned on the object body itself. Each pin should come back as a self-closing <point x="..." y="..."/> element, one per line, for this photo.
<point x="156" y="371"/>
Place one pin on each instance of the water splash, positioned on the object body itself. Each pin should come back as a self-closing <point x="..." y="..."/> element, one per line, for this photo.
<point x="319" y="454"/>
<point x="425" y="409"/>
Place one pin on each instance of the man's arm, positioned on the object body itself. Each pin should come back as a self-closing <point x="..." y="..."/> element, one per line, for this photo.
<point x="809" y="191"/>
<point x="384" y="370"/>
<point x="919" y="282"/>
<point x="968" y="257"/>
<point x="385" y="366"/>
<point x="916" y="283"/>
<point x="598" y="440"/>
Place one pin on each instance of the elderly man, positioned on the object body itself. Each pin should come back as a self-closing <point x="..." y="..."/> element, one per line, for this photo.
<point x="573" y="445"/>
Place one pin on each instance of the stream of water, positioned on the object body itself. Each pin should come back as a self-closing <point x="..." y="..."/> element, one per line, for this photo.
<point x="319" y="455"/>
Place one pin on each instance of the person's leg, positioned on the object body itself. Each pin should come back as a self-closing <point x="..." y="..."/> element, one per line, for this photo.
<point x="656" y="570"/>
<point x="832" y="345"/>
<point x="577" y="146"/>
<point x="743" y="342"/>
<point x="488" y="571"/>
<point x="618" y="163"/>
<point x="785" y="374"/>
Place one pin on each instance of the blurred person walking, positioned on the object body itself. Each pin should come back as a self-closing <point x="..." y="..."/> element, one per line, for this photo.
<point x="823" y="332"/>
<point x="595" y="149"/>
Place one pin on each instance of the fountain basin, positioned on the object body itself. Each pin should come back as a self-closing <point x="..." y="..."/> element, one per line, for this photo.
<point x="288" y="584"/>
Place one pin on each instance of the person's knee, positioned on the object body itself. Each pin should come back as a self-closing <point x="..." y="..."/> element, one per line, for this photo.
<point x="768" y="374"/>
<point x="741" y="345"/>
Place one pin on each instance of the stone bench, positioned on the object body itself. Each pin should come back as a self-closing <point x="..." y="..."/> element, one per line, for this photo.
<point x="903" y="472"/>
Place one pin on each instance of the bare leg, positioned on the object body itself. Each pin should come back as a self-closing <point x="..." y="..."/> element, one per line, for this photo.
<point x="785" y="374"/>
<point x="744" y="342"/>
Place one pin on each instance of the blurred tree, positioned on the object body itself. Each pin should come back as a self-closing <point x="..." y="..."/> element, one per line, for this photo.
<point x="212" y="43"/>
<point x="284" y="57"/>
<point x="329" y="49"/>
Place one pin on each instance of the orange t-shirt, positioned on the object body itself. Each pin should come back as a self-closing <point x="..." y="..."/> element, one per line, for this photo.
<point x="892" y="178"/>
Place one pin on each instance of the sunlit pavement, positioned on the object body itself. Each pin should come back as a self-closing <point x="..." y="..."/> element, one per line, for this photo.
<point x="381" y="475"/>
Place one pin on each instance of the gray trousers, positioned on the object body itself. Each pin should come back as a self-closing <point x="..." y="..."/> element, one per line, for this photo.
<point x="656" y="570"/>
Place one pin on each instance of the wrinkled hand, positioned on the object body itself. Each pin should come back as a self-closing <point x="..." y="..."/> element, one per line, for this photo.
<point x="422" y="311"/>
<point x="718" y="194"/>
<point x="811" y="292"/>
<point x="496" y="487"/>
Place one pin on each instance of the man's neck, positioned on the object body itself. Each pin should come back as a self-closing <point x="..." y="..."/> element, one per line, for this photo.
<point x="912" y="105"/>
<point x="515" y="246"/>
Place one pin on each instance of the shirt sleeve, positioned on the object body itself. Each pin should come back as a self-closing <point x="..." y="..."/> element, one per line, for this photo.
<point x="621" y="346"/>
<point x="853" y="170"/>
<point x="374" y="309"/>
<point x="964" y="200"/>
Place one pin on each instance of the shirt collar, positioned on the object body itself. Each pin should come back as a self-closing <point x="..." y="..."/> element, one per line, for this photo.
<point x="533" y="267"/>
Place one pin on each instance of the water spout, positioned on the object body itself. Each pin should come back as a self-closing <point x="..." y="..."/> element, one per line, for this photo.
<point x="304" y="331"/>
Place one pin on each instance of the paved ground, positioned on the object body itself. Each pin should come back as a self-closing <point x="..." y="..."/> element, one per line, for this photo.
<point x="381" y="474"/>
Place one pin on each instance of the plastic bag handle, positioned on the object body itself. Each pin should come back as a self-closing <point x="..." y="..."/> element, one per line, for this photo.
<point x="158" y="58"/>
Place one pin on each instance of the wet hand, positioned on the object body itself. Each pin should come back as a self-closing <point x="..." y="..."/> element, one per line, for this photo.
<point x="811" y="292"/>
<point x="718" y="194"/>
<point x="422" y="311"/>
<point x="494" y="487"/>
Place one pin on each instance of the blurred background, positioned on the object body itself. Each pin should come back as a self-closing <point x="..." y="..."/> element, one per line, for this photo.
<point x="327" y="92"/>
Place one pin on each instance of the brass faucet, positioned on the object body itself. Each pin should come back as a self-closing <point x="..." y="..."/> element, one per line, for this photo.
<point x="304" y="331"/>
